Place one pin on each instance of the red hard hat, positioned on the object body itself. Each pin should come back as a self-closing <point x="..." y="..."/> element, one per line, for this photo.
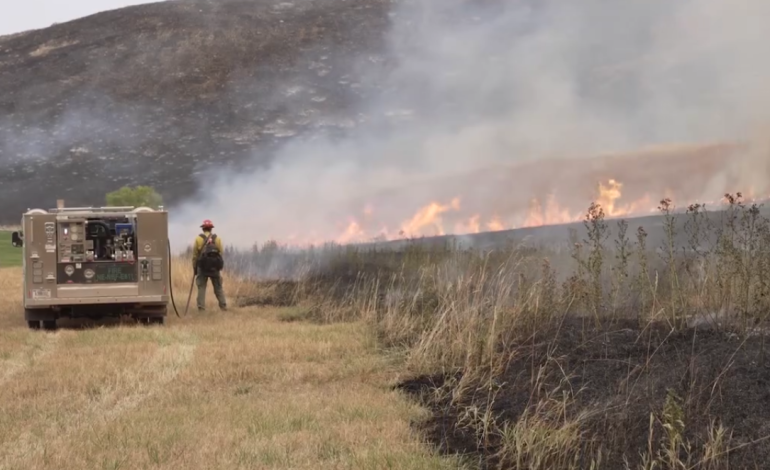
<point x="207" y="223"/>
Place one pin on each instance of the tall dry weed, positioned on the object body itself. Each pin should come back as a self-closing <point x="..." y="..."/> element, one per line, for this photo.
<point x="462" y="312"/>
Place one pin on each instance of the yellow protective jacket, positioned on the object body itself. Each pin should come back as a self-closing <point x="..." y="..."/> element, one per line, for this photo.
<point x="198" y="246"/>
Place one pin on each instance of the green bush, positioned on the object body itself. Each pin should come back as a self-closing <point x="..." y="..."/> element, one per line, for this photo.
<point x="138" y="196"/>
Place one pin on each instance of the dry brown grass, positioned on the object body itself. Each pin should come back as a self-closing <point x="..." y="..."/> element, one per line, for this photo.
<point x="240" y="389"/>
<point x="532" y="361"/>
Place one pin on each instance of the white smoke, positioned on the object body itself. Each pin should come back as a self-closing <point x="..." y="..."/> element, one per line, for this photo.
<point x="480" y="84"/>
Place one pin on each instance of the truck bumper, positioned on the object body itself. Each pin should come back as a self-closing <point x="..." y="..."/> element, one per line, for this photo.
<point x="134" y="300"/>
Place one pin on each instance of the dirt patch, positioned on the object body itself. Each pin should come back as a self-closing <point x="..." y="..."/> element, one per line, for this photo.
<point x="610" y="382"/>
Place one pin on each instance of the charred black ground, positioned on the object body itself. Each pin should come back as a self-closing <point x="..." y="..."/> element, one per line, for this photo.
<point x="619" y="375"/>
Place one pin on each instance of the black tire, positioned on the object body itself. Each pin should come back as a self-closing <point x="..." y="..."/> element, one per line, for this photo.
<point x="157" y="320"/>
<point x="49" y="325"/>
<point x="33" y="324"/>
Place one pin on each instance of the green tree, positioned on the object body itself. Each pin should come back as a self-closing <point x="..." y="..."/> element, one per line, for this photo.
<point x="138" y="196"/>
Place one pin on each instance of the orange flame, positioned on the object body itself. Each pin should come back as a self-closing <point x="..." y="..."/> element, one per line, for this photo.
<point x="428" y="220"/>
<point x="552" y="214"/>
<point x="495" y="225"/>
<point x="353" y="233"/>
<point x="428" y="217"/>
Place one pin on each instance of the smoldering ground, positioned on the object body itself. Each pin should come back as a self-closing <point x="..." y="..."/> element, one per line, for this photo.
<point x="471" y="85"/>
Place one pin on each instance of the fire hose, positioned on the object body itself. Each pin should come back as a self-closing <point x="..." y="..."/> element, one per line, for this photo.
<point x="171" y="284"/>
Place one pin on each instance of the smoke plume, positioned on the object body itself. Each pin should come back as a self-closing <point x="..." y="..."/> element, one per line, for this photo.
<point x="474" y="88"/>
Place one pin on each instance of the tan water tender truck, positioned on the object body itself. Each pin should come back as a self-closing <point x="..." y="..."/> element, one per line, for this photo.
<point x="86" y="262"/>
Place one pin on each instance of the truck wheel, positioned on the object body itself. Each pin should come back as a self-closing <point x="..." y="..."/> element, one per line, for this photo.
<point x="49" y="324"/>
<point x="33" y="324"/>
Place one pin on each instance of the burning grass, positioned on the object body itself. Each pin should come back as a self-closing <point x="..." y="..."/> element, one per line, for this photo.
<point x="618" y="353"/>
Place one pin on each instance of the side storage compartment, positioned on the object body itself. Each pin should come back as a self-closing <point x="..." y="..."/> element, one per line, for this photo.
<point x="39" y="261"/>
<point x="153" y="259"/>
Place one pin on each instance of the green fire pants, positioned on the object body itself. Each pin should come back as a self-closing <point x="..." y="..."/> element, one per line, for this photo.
<point x="201" y="280"/>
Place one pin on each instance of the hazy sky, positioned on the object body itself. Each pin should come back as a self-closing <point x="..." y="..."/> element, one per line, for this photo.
<point x="21" y="15"/>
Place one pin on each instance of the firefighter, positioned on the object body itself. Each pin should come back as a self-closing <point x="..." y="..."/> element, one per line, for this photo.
<point x="208" y="264"/>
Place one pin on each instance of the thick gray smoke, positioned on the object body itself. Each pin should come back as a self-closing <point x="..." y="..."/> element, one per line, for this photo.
<point x="481" y="84"/>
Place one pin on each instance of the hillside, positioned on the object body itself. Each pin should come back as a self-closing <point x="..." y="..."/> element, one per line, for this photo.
<point x="306" y="114"/>
<point x="154" y="94"/>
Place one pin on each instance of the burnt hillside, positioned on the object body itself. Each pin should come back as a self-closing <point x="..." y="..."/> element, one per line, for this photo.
<point x="156" y="94"/>
<point x="396" y="104"/>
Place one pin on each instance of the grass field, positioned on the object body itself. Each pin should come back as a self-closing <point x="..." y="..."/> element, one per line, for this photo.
<point x="242" y="389"/>
<point x="615" y="355"/>
<point x="9" y="255"/>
